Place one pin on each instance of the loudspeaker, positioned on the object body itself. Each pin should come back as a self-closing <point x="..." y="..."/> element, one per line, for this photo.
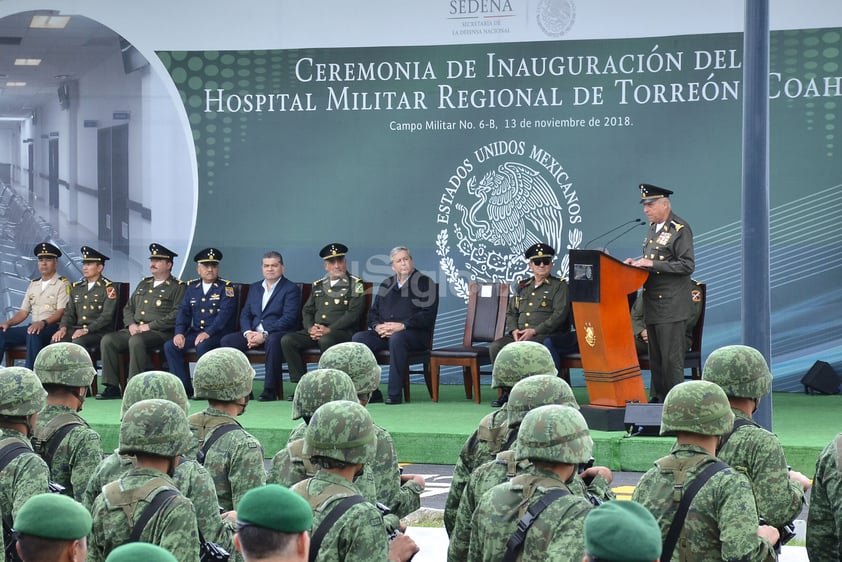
<point x="643" y="419"/>
<point x="821" y="378"/>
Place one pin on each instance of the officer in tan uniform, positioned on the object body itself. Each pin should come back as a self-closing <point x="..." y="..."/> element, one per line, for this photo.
<point x="539" y="307"/>
<point x="149" y="317"/>
<point x="332" y="313"/>
<point x="45" y="299"/>
<point x="93" y="299"/>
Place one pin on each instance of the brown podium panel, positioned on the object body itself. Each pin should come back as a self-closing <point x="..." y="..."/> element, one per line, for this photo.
<point x="599" y="289"/>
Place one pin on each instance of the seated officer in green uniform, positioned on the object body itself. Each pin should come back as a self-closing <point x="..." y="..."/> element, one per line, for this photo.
<point x="332" y="313"/>
<point x="149" y="320"/>
<point x="539" y="307"/>
<point x="93" y="298"/>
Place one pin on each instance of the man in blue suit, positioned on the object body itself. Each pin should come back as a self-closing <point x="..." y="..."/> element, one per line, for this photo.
<point x="273" y="309"/>
<point x="205" y="314"/>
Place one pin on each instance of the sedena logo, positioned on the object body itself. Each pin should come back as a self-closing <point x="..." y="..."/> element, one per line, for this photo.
<point x="501" y="199"/>
<point x="555" y="17"/>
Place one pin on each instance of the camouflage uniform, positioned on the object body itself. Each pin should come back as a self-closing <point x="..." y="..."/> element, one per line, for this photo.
<point x="80" y="451"/>
<point x="190" y="477"/>
<point x="358" y="361"/>
<point x="235" y="460"/>
<point x="559" y="436"/>
<point x="153" y="427"/>
<point x="344" y="431"/>
<point x="824" y="520"/>
<point x="742" y="372"/>
<point x="21" y="395"/>
<point x="722" y="521"/>
<point x="495" y="434"/>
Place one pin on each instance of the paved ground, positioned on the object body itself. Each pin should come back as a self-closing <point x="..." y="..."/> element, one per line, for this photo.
<point x="433" y="540"/>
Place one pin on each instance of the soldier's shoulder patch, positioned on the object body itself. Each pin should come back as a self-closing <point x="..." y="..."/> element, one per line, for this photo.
<point x="359" y="288"/>
<point x="111" y="292"/>
<point x="696" y="295"/>
<point x="229" y="291"/>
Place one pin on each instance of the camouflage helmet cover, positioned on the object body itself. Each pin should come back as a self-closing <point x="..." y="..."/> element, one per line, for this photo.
<point x="320" y="387"/>
<point x="156" y="427"/>
<point x="539" y="390"/>
<point x="697" y="407"/>
<point x="154" y="384"/>
<point x="554" y="433"/>
<point x="342" y="430"/>
<point x="519" y="360"/>
<point x="64" y="363"/>
<point x="223" y="374"/>
<point x="21" y="393"/>
<point x="357" y="361"/>
<point x="741" y="371"/>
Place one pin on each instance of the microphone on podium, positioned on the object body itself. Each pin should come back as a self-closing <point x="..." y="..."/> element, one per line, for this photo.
<point x="626" y="231"/>
<point x="616" y="228"/>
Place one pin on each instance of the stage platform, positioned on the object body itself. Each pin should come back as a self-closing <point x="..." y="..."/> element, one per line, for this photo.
<point x="433" y="433"/>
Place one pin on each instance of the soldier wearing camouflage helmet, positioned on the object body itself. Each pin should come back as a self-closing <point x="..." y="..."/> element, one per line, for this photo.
<point x="71" y="449"/>
<point x="190" y="477"/>
<point x="593" y="483"/>
<point x="516" y="361"/>
<point x="290" y="465"/>
<point x="722" y="521"/>
<point x="556" y="440"/>
<point x="234" y="458"/>
<point x="155" y="432"/>
<point x="401" y="493"/>
<point x="340" y="441"/>
<point x="26" y="474"/>
<point x="742" y="372"/>
<point x="824" y="519"/>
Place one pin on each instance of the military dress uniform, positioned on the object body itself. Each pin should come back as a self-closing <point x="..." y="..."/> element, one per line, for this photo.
<point x="42" y="300"/>
<point x="639" y="322"/>
<point x="665" y="303"/>
<point x="212" y="312"/>
<point x="156" y="306"/>
<point x="339" y="306"/>
<point x="544" y="308"/>
<point x="90" y="309"/>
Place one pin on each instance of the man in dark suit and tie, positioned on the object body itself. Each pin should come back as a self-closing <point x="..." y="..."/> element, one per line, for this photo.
<point x="273" y="309"/>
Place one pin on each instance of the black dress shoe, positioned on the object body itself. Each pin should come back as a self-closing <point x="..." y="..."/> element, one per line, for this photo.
<point x="109" y="393"/>
<point x="376" y="397"/>
<point x="392" y="401"/>
<point x="267" y="397"/>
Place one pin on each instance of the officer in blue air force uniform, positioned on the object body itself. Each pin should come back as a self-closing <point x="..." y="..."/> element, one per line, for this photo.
<point x="206" y="313"/>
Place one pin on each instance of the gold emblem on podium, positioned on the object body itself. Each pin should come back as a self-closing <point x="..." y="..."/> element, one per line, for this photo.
<point x="590" y="336"/>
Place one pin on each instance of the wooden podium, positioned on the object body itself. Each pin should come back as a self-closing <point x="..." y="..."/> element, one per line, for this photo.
<point x="599" y="290"/>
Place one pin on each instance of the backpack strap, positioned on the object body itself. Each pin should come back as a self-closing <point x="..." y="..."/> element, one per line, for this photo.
<point x="684" y="506"/>
<point x="296" y="451"/>
<point x="515" y="543"/>
<point x="327" y="523"/>
<point x="738" y="423"/>
<point x="116" y="497"/>
<point x="154" y="507"/>
<point x="11" y="449"/>
<point x="217" y="433"/>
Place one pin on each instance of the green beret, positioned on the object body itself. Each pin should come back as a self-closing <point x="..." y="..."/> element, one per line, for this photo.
<point x="622" y="531"/>
<point x="276" y="508"/>
<point x="140" y="552"/>
<point x="51" y="516"/>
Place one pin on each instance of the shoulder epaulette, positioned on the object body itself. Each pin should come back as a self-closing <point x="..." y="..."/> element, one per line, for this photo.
<point x="317" y="281"/>
<point x="194" y="281"/>
<point x="523" y="283"/>
<point x="678" y="226"/>
<point x="106" y="280"/>
<point x="78" y="283"/>
<point x="150" y="278"/>
<point x="223" y="281"/>
<point x="62" y="279"/>
<point x="355" y="278"/>
<point x="696" y="282"/>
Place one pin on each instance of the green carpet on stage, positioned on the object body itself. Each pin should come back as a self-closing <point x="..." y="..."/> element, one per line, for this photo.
<point x="428" y="432"/>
